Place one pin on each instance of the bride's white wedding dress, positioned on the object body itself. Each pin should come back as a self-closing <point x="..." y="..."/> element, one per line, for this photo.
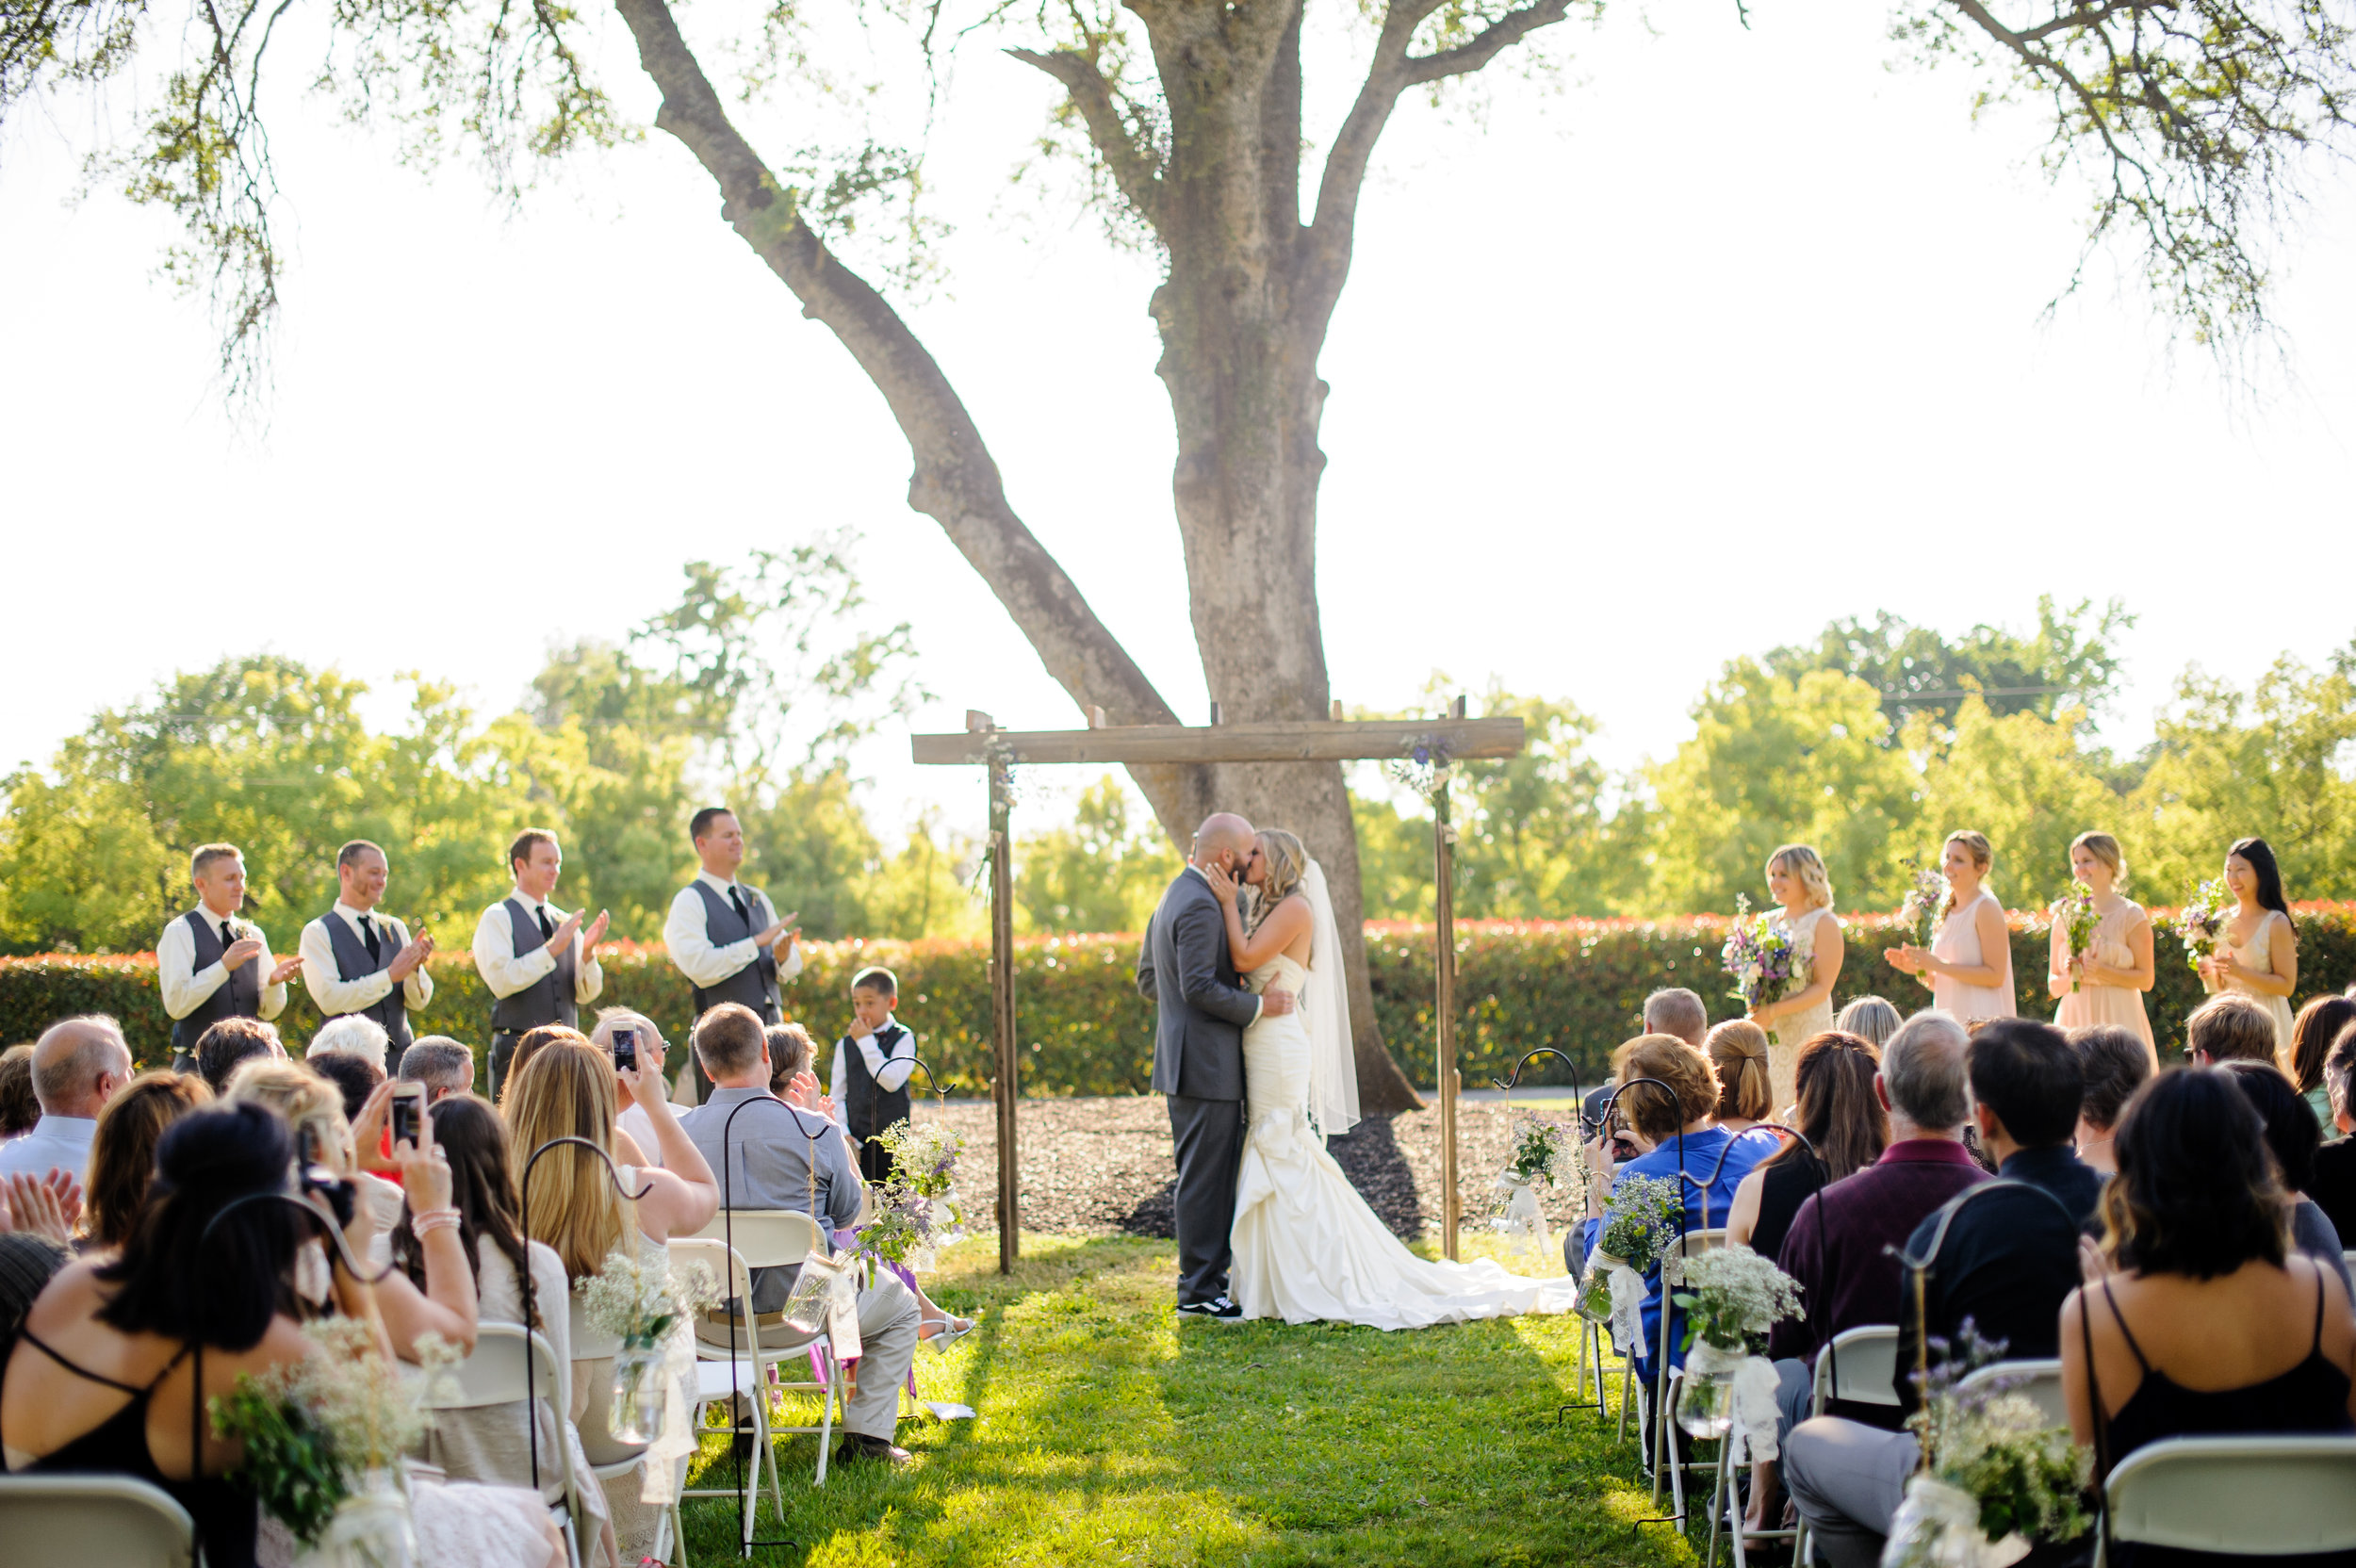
<point x="1307" y="1247"/>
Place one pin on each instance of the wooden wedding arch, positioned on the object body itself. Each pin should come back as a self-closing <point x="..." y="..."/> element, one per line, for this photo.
<point x="1437" y="742"/>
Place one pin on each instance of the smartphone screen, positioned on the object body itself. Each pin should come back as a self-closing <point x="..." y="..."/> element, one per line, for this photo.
<point x="626" y="1048"/>
<point x="408" y="1111"/>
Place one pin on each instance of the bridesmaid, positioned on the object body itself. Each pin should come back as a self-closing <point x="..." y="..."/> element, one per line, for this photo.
<point x="1798" y="881"/>
<point x="2259" y="956"/>
<point x="1969" y="964"/>
<point x="2117" y="969"/>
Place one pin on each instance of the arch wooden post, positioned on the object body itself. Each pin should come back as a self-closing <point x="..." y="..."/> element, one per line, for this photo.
<point x="1444" y="1000"/>
<point x="1006" y="1084"/>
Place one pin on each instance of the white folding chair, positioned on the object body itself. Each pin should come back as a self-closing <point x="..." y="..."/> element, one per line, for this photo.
<point x="2039" y="1382"/>
<point x="94" y="1522"/>
<point x="1664" y="1445"/>
<point x="765" y="1238"/>
<point x="494" y="1375"/>
<point x="2249" y="1497"/>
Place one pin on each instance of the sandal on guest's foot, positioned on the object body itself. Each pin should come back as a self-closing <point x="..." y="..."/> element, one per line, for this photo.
<point x="941" y="1333"/>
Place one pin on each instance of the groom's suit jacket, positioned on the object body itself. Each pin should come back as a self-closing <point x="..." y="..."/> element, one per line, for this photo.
<point x="1201" y="1007"/>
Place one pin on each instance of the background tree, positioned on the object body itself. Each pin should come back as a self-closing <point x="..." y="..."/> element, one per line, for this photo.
<point x="2070" y="660"/>
<point x="1103" y="873"/>
<point x="2192" y="117"/>
<point x="2022" y="778"/>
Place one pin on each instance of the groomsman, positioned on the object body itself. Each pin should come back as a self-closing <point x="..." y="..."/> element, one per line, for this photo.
<point x="355" y="961"/>
<point x="210" y="965"/>
<point x="541" y="966"/>
<point x="726" y="938"/>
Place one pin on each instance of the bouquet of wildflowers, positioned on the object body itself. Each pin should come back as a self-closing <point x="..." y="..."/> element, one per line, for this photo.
<point x="2074" y="916"/>
<point x="639" y="1302"/>
<point x="315" y="1429"/>
<point x="1760" y="955"/>
<point x="901" y="1228"/>
<point x="1540" y="1149"/>
<point x="924" y="1155"/>
<point x="1925" y="904"/>
<point x="1732" y="1295"/>
<point x="918" y="1208"/>
<point x="1999" y="1475"/>
<point x="2202" y="921"/>
<point x="1643" y="1221"/>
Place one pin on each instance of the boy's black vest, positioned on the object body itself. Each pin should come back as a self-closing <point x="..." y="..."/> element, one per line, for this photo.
<point x="868" y="1107"/>
<point x="547" y="1000"/>
<point x="353" y="961"/>
<point x="756" y="984"/>
<point x="239" y="996"/>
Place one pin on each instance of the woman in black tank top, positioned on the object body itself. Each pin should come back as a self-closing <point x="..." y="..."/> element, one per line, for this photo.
<point x="2197" y="1197"/>
<point x="1846" y="1130"/>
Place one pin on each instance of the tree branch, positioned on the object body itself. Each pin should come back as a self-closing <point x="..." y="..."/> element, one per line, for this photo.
<point x="1135" y="171"/>
<point x="956" y="482"/>
<point x="1487" y="45"/>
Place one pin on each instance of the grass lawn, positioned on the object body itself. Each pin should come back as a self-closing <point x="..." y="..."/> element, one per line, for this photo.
<point x="1112" y="1432"/>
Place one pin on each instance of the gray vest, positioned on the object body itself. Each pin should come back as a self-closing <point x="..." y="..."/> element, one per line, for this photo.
<point x="756" y="984"/>
<point x="547" y="1000"/>
<point x="239" y="996"/>
<point x="352" y="962"/>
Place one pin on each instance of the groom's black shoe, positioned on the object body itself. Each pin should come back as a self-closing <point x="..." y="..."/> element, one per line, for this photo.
<point x="1219" y="1308"/>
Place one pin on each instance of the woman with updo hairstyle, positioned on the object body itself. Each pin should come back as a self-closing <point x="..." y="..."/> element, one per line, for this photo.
<point x="1674" y="1129"/>
<point x="1738" y="1049"/>
<point x="1802" y="891"/>
<point x="122" y="1152"/>
<point x="2103" y="986"/>
<point x="1969" y="964"/>
<point x="1871" y="1018"/>
<point x="2206" y="1323"/>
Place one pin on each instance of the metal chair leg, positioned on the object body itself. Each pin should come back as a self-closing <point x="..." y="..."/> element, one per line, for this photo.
<point x="1718" y="1495"/>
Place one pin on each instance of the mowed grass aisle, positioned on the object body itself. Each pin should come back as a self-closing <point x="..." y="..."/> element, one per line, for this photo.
<point x="1110" y="1432"/>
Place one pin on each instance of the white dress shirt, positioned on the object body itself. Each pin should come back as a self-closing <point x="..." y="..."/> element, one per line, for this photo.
<point x="336" y="995"/>
<point x="688" y="939"/>
<point x="890" y="1073"/>
<point x="55" y="1142"/>
<point x="184" y="986"/>
<point x="506" y="975"/>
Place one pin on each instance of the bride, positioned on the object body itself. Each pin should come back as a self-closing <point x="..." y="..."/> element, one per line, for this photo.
<point x="1307" y="1247"/>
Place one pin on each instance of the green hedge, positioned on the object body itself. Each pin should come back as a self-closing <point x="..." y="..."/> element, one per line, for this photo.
<point x="1575" y="985"/>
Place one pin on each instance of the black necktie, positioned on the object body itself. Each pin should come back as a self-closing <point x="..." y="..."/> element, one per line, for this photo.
<point x="367" y="935"/>
<point x="736" y="902"/>
<point x="225" y="937"/>
<point x="548" y="927"/>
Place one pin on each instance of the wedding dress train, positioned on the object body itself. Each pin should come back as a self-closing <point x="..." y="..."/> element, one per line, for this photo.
<point x="1307" y="1249"/>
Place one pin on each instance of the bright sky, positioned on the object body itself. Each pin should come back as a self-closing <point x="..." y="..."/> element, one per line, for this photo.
<point x="1737" y="332"/>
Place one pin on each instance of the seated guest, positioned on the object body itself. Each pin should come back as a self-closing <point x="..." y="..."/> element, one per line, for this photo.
<point x="2293" y="1140"/>
<point x="633" y="1127"/>
<point x="355" y="1078"/>
<point x="441" y="1064"/>
<point x="1738" y="1049"/>
<point x="353" y="1034"/>
<point x="792" y="1051"/>
<point x="19" y="1109"/>
<point x="1667" y="1127"/>
<point x="2335" y="1188"/>
<point x="228" y="1045"/>
<point x="2115" y="1061"/>
<point x="561" y="1088"/>
<point x="2231" y="1027"/>
<point x="2207" y="1325"/>
<point x="1846" y="1130"/>
<point x="531" y="1043"/>
<point x="2313" y="1034"/>
<point x="489" y="1443"/>
<point x="78" y="1065"/>
<point x="122" y="1154"/>
<point x="773" y="1156"/>
<point x="1871" y="1018"/>
<point x="1672" y="1010"/>
<point x="1838" y="1249"/>
<point x="2002" y="1258"/>
<point x="127" y="1322"/>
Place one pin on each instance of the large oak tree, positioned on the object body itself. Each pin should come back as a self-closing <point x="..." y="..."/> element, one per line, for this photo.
<point x="2188" y="120"/>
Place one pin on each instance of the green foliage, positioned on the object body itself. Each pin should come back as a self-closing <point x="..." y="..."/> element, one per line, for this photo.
<point x="1103" y="873"/>
<point x="2070" y="660"/>
<point x="2022" y="779"/>
<point x="289" y="1460"/>
<point x="1577" y="986"/>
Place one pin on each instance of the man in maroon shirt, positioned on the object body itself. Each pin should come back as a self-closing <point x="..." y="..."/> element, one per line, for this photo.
<point x="1839" y="1248"/>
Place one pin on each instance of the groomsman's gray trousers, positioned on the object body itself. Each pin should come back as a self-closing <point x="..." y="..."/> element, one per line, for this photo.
<point x="1208" y="1135"/>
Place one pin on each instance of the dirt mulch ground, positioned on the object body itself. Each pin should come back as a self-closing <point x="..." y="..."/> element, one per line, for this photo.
<point x="1106" y="1165"/>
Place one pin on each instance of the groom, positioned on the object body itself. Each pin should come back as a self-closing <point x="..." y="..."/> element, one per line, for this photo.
<point x="1200" y="1013"/>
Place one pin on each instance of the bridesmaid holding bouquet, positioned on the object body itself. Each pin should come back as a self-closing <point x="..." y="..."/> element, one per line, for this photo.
<point x="2257" y="952"/>
<point x="1969" y="964"/>
<point x="1802" y="889"/>
<point x="2104" y="983"/>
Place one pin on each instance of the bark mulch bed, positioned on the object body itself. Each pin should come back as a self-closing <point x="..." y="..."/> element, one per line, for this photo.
<point x="1097" y="1166"/>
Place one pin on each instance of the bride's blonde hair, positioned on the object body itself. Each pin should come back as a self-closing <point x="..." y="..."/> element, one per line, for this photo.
<point x="1287" y="863"/>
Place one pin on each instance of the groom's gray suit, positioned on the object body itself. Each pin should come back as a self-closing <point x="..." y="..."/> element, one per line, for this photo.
<point x="1201" y="1011"/>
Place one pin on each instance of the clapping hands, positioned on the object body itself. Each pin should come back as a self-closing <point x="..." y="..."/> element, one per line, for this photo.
<point x="47" y="1205"/>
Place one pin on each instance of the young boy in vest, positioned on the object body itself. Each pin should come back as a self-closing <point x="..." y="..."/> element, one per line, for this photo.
<point x="872" y="1064"/>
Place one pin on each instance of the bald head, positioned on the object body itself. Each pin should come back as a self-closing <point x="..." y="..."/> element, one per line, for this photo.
<point x="78" y="1065"/>
<point x="1221" y="839"/>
